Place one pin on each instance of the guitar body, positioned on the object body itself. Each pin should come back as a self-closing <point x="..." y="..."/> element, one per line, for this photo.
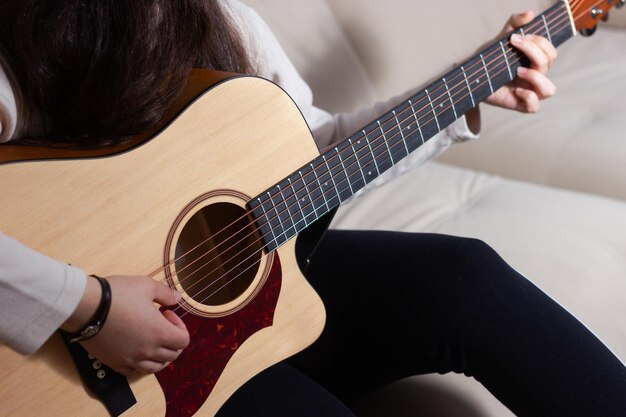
<point x="134" y="210"/>
<point x="123" y="214"/>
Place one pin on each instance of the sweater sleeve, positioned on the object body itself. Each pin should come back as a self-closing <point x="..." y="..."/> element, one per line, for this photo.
<point x="328" y="129"/>
<point x="37" y="295"/>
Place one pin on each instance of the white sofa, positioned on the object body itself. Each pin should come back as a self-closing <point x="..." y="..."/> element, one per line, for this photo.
<point x="546" y="191"/>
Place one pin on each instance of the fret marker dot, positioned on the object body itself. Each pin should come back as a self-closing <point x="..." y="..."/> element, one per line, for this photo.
<point x="441" y="105"/>
<point x="369" y="173"/>
<point x="477" y="80"/>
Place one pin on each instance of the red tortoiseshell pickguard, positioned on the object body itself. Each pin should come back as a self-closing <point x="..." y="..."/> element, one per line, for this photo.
<point x="188" y="381"/>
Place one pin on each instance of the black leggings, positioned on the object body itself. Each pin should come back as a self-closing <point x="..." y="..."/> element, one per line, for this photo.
<point x="402" y="304"/>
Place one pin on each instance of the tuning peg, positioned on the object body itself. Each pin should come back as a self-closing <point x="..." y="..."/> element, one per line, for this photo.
<point x="588" y="32"/>
<point x="605" y="18"/>
<point x="620" y="3"/>
<point x="597" y="12"/>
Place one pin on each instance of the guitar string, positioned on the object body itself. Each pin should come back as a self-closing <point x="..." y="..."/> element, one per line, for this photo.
<point x="304" y="218"/>
<point x="579" y="5"/>
<point x="292" y="222"/>
<point x="294" y="226"/>
<point x="225" y="228"/>
<point x="253" y="243"/>
<point x="234" y="222"/>
<point x="228" y="282"/>
<point x="219" y="289"/>
<point x="154" y="273"/>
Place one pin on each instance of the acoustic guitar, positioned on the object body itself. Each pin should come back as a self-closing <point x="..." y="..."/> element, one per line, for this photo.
<point x="210" y="203"/>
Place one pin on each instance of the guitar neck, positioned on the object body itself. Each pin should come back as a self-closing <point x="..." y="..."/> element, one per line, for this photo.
<point x="290" y="206"/>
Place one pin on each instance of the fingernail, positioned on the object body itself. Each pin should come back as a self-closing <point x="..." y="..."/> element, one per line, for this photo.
<point x="516" y="38"/>
<point x="177" y="296"/>
<point x="522" y="70"/>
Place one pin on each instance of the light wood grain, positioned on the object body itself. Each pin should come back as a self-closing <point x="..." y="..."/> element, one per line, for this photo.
<point x="112" y="216"/>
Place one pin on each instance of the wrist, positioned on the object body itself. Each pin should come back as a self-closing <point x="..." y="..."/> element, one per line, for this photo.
<point x="97" y="320"/>
<point x="86" y="307"/>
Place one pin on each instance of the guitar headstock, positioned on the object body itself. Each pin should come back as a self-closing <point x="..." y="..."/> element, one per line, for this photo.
<point x="588" y="13"/>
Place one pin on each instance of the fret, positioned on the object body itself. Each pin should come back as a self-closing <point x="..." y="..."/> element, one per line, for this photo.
<point x="358" y="162"/>
<point x="305" y="197"/>
<point x="545" y="24"/>
<point x="442" y="105"/>
<point x="450" y="96"/>
<point x="498" y="68"/>
<point x="388" y="142"/>
<point x="409" y="130"/>
<point x="332" y="179"/>
<point x="424" y="113"/>
<point x="351" y="165"/>
<point x="406" y="146"/>
<point x="385" y="141"/>
<point x="369" y="145"/>
<point x="468" y="87"/>
<point x="459" y="92"/>
<point x="319" y="187"/>
<point x="341" y="181"/>
<point x="276" y="217"/>
<point x="293" y="205"/>
<point x="506" y="59"/>
<point x="347" y="174"/>
<point x="394" y="136"/>
<point x="433" y="109"/>
<point x="265" y="226"/>
<point x="285" y="214"/>
<point x="559" y="29"/>
<point x="476" y="77"/>
<point x="487" y="73"/>
<point x="417" y="122"/>
<point x="367" y="162"/>
<point x="326" y="183"/>
<point x="301" y="212"/>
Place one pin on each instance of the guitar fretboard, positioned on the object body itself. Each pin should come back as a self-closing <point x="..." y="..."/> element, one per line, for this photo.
<point x="290" y="206"/>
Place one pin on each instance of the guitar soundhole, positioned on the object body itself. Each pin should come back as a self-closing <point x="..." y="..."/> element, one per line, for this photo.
<point x="218" y="254"/>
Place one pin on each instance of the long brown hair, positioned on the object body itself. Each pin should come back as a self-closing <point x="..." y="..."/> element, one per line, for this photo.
<point x="94" y="72"/>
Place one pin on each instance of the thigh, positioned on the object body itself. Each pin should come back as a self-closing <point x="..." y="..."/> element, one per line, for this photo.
<point x="391" y="300"/>
<point x="400" y="304"/>
<point x="283" y="391"/>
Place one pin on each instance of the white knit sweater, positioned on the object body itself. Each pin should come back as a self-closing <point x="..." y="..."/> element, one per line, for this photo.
<point x="37" y="294"/>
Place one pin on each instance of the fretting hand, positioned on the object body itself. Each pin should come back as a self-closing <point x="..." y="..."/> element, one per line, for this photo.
<point x="532" y="85"/>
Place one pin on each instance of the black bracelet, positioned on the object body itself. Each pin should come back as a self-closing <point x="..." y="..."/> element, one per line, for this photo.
<point x="95" y="323"/>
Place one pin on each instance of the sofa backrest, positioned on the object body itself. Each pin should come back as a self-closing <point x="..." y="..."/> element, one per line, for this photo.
<point x="314" y="39"/>
<point x="354" y="51"/>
